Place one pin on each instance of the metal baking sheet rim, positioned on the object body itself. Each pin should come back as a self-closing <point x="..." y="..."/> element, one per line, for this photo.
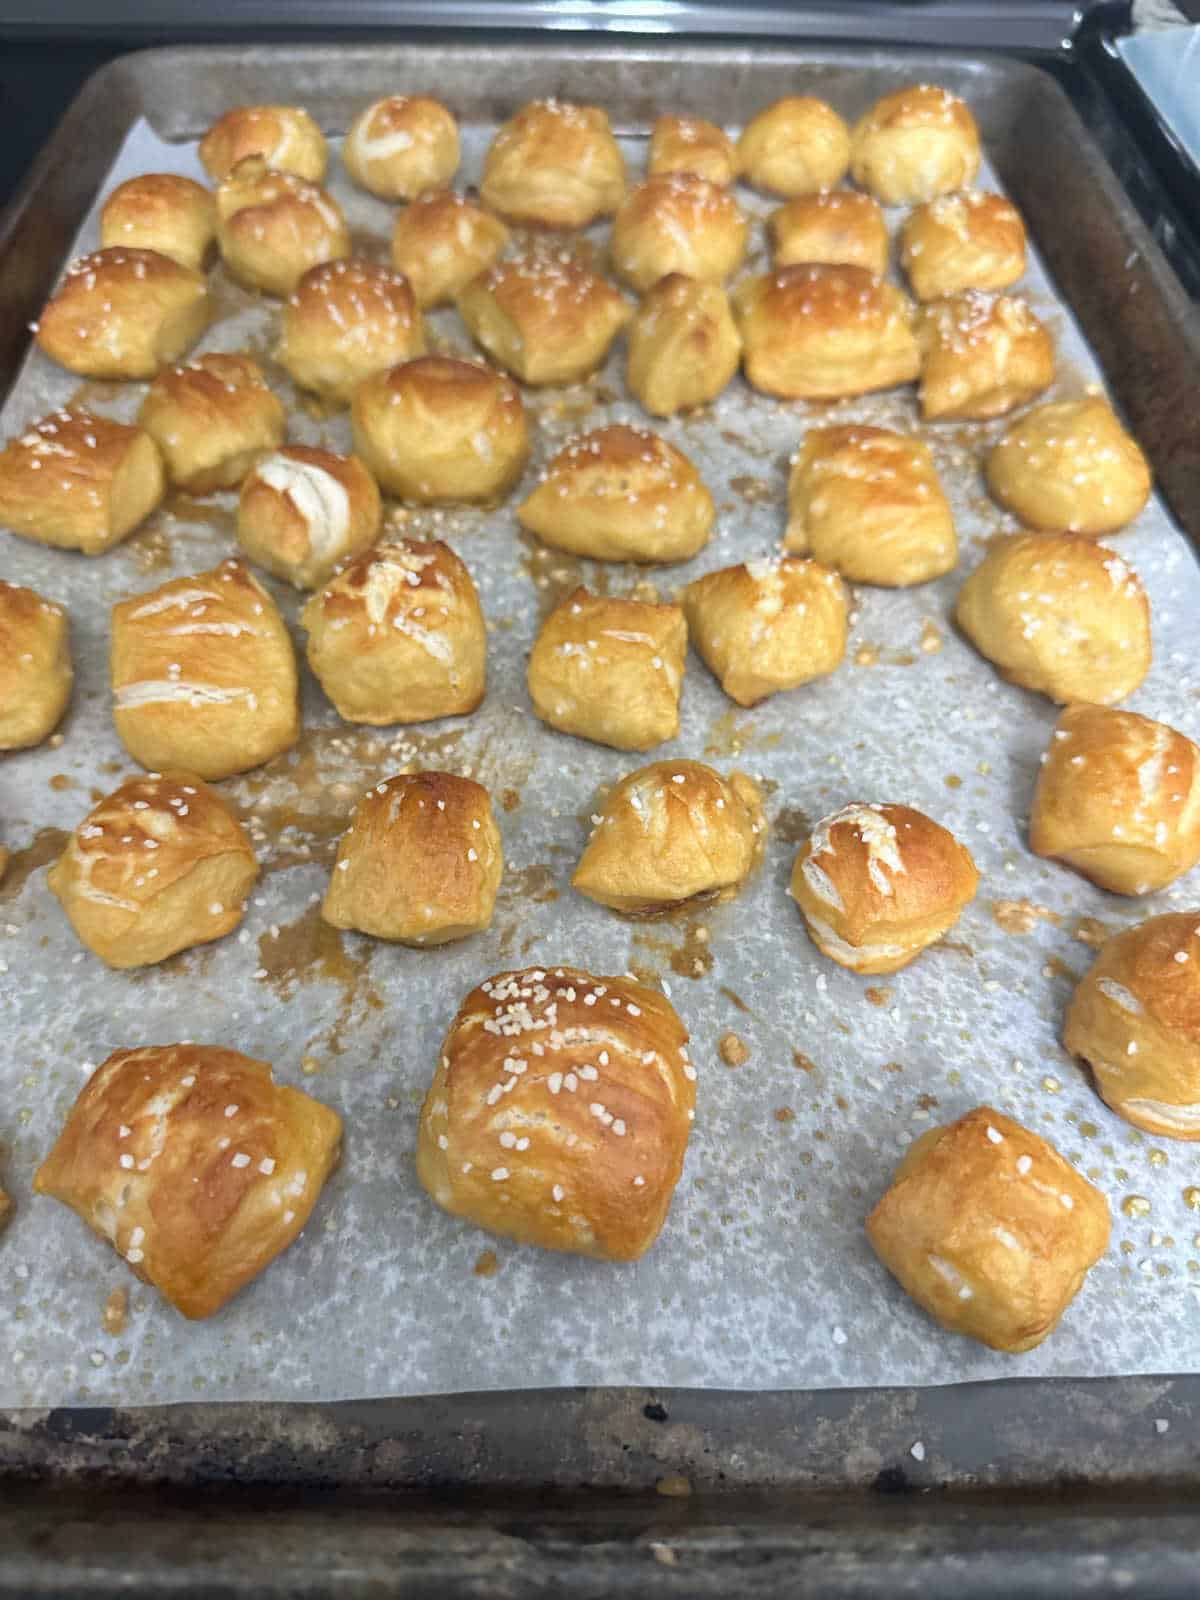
<point x="149" y="59"/>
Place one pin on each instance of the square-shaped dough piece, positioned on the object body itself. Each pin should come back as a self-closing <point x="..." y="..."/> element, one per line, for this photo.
<point x="204" y="675"/>
<point x="990" y="1230"/>
<point x="79" y="482"/>
<point x="399" y="635"/>
<point x="420" y="863"/>
<point x="194" y="1165"/>
<point x="160" y="865"/>
<point x="35" y="667"/>
<point x="768" y="625"/>
<point x="610" y="670"/>
<point x="212" y="419"/>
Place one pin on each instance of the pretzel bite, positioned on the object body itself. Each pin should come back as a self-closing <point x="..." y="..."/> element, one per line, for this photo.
<point x="983" y="356"/>
<point x="1118" y="799"/>
<point x="203" y="675"/>
<point x="821" y="332"/>
<point x="437" y="429"/>
<point x="284" y="137"/>
<point x="560" y="1111"/>
<point x="1135" y="1019"/>
<point x="164" y="212"/>
<point x="915" y="144"/>
<point x="764" y="626"/>
<point x="272" y="227"/>
<point x="1060" y="615"/>
<point x="399" y="636"/>
<point x="868" y="502"/>
<point x="689" y="144"/>
<point x="195" y="1166"/>
<point x="79" y="482"/>
<point x="400" y="146"/>
<point x="441" y="241"/>
<point x="1070" y="467"/>
<point x="303" y="511"/>
<point x="212" y="419"/>
<point x="671" y="833"/>
<point x="684" y="346"/>
<point x="990" y="1230"/>
<point x="554" y="165"/>
<point x="610" y="670"/>
<point x="420" y="863"/>
<point x="35" y="667"/>
<point x="345" y="321"/>
<point x="621" y="494"/>
<point x="971" y="240"/>
<point x="877" y="884"/>
<point x="124" y="313"/>
<point x="677" y="222"/>
<point x="799" y="145"/>
<point x="547" y="320"/>
<point x="839" y="228"/>
<point x="158" y="866"/>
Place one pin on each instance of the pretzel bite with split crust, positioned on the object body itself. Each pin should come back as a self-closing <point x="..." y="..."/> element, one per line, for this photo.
<point x="915" y="144"/>
<point x="677" y="222"/>
<point x="877" y="884"/>
<point x="669" y="833"/>
<point x="823" y="332"/>
<point x="164" y="212"/>
<point x="971" y="240"/>
<point x="983" y="356"/>
<point x="420" y="863"/>
<point x="990" y="1230"/>
<point x="204" y="675"/>
<point x="554" y="165"/>
<point x="1070" y="467"/>
<point x="610" y="670"/>
<point x="684" y="345"/>
<point x="690" y="144"/>
<point x="399" y="636"/>
<point x="839" y="228"/>
<point x="123" y="313"/>
<point x="303" y="511"/>
<point x="284" y="137"/>
<point x="545" y="319"/>
<point x="345" y="321"/>
<point x="1135" y="1019"/>
<point x="79" y="482"/>
<point x="400" y="146"/>
<point x="799" y="145"/>
<point x="441" y="241"/>
<point x="158" y="866"/>
<point x="437" y="429"/>
<point x="621" y="494"/>
<point x="272" y="227"/>
<point x="194" y="1165"/>
<point x="1060" y="615"/>
<point x="868" y="502"/>
<point x="560" y="1111"/>
<point x="212" y="419"/>
<point x="35" y="667"/>
<point x="764" y="626"/>
<point x="1118" y="799"/>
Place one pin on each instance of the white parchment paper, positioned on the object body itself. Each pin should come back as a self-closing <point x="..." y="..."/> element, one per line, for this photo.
<point x="762" y="1277"/>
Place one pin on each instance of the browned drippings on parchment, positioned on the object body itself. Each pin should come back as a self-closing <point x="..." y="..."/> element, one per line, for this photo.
<point x="487" y="1265"/>
<point x="116" y="1312"/>
<point x="791" y="826"/>
<point x="48" y="844"/>
<point x="555" y="575"/>
<point x="689" y="953"/>
<point x="1091" y="931"/>
<point x="310" y="950"/>
<point x="752" y="490"/>
<point x="1022" y="916"/>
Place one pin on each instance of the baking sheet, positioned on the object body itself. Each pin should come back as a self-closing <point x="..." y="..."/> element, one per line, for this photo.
<point x="762" y="1277"/>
